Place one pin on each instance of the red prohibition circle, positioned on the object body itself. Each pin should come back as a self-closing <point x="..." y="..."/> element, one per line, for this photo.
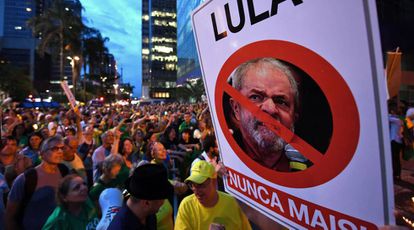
<point x="345" y="116"/>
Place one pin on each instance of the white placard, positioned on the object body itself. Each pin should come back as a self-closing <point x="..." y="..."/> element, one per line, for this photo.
<point x="69" y="94"/>
<point x="341" y="125"/>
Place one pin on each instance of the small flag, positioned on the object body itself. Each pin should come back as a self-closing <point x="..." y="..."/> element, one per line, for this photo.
<point x="393" y="73"/>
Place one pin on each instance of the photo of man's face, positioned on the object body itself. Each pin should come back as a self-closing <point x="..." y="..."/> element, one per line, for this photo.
<point x="269" y="89"/>
<point x="272" y="86"/>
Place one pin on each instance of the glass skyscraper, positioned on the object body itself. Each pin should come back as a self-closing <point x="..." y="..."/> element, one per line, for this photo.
<point x="17" y="44"/>
<point x="188" y="64"/>
<point x="159" y="49"/>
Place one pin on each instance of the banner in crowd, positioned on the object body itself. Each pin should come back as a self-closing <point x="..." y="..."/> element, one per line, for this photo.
<point x="297" y="95"/>
<point x="69" y="94"/>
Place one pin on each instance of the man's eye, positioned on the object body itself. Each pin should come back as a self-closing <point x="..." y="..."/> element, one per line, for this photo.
<point x="281" y="101"/>
<point x="255" y="97"/>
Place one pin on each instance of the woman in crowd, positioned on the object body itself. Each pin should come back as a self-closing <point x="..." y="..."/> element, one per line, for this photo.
<point x="206" y="128"/>
<point x="32" y="151"/>
<point x="126" y="149"/>
<point x="20" y="133"/>
<point x="66" y="123"/>
<point x="114" y="174"/>
<point x="169" y="139"/>
<point x="74" y="210"/>
<point x="138" y="139"/>
<point x="156" y="154"/>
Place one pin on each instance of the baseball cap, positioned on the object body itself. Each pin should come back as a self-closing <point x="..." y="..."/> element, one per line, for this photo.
<point x="201" y="171"/>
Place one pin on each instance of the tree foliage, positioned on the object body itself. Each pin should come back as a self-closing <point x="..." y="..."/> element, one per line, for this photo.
<point x="15" y="82"/>
<point x="191" y="91"/>
<point x="59" y="28"/>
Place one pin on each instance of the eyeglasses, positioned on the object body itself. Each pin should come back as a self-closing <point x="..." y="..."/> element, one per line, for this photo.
<point x="56" y="148"/>
<point x="203" y="185"/>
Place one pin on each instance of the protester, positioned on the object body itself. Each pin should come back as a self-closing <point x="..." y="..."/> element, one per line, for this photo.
<point x="32" y="151"/>
<point x="101" y="152"/>
<point x="85" y="151"/>
<point x="71" y="158"/>
<point x="187" y="124"/>
<point x="208" y="208"/>
<point x="4" y="188"/>
<point x="12" y="163"/>
<point x="396" y="126"/>
<point x="148" y="188"/>
<point x="32" y="196"/>
<point x="74" y="210"/>
<point x="126" y="149"/>
<point x="111" y="176"/>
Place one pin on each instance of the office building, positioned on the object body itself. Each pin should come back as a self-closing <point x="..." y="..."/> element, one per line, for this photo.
<point x="188" y="64"/>
<point x="159" y="49"/>
<point x="17" y="45"/>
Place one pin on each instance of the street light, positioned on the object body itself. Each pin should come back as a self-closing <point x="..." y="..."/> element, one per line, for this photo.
<point x="116" y="90"/>
<point x="73" y="62"/>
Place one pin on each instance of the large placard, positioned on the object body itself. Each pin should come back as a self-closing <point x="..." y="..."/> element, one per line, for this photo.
<point x="296" y="91"/>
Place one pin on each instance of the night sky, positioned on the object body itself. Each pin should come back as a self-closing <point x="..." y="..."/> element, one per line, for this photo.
<point x="120" y="21"/>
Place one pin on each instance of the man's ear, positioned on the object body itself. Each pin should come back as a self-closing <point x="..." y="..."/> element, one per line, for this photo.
<point x="236" y="108"/>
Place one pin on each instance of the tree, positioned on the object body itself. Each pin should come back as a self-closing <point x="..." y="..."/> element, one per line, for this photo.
<point x="94" y="48"/>
<point x="191" y="90"/>
<point x="59" y="27"/>
<point x="15" y="82"/>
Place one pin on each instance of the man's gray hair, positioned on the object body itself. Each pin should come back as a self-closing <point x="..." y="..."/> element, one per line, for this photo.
<point x="239" y="73"/>
<point x="51" y="142"/>
<point x="68" y="139"/>
<point x="112" y="160"/>
<point x="105" y="134"/>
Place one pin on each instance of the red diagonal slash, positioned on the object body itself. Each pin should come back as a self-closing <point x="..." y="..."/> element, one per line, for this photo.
<point x="275" y="126"/>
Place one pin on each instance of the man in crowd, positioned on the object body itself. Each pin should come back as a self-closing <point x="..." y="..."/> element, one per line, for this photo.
<point x="71" y="158"/>
<point x="270" y="85"/>
<point x="148" y="188"/>
<point x="208" y="208"/>
<point x="210" y="151"/>
<point x="33" y="149"/>
<point x="31" y="202"/>
<point x="12" y="163"/>
<point x="101" y="152"/>
<point x="186" y="124"/>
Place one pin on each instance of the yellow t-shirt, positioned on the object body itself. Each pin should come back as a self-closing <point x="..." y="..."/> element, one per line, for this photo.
<point x="165" y="216"/>
<point x="192" y="215"/>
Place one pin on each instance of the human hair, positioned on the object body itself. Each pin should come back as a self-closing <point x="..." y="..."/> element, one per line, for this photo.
<point x="68" y="139"/>
<point x="167" y="132"/>
<point x="11" y="138"/>
<point x="50" y="142"/>
<point x="121" y="146"/>
<point x="38" y="134"/>
<point x="239" y="73"/>
<point x="71" y="130"/>
<point x="209" y="142"/>
<point x="140" y="132"/>
<point x="63" y="189"/>
<point x="110" y="161"/>
<point x="105" y="134"/>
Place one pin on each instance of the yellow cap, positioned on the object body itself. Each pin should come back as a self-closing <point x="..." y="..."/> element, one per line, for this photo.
<point x="201" y="171"/>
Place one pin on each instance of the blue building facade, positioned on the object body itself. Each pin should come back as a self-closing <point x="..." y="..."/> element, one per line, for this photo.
<point x="188" y="64"/>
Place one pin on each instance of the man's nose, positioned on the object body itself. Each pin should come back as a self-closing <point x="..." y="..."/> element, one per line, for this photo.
<point x="269" y="107"/>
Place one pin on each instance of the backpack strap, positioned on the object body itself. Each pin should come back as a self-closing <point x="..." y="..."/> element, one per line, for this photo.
<point x="201" y="157"/>
<point x="63" y="170"/>
<point x="30" y="182"/>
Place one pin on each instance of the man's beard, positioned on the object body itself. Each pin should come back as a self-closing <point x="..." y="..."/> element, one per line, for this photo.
<point x="267" y="142"/>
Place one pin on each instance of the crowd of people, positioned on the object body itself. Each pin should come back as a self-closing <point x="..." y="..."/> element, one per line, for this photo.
<point x="57" y="167"/>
